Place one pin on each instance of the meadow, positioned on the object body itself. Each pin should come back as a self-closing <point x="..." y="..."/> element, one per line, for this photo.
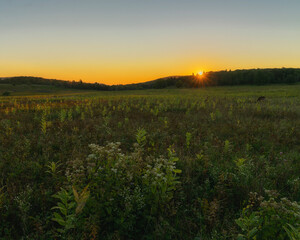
<point x="210" y="163"/>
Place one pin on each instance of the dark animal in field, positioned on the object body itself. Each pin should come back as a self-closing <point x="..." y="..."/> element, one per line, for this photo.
<point x="261" y="98"/>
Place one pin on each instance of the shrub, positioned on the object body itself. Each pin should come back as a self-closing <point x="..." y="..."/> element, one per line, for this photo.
<point x="138" y="183"/>
<point x="6" y="94"/>
<point x="270" y="218"/>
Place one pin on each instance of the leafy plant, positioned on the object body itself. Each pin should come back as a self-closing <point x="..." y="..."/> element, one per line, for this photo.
<point x="188" y="137"/>
<point x="270" y="219"/>
<point x="160" y="180"/>
<point x="227" y="146"/>
<point x="53" y="168"/>
<point x="141" y="137"/>
<point x="81" y="198"/>
<point x="293" y="232"/>
<point x="65" y="216"/>
<point x="44" y="123"/>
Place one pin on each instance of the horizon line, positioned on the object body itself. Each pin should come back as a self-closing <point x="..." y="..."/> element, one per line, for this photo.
<point x="169" y="76"/>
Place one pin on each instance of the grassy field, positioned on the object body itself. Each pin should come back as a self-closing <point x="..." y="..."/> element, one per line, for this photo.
<point x="277" y="90"/>
<point x="195" y="164"/>
<point x="32" y="89"/>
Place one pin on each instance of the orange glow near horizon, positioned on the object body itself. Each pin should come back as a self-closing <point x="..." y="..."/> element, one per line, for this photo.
<point x="132" y="63"/>
<point x="121" y="72"/>
<point x="113" y="42"/>
<point x="127" y="69"/>
<point x="109" y="74"/>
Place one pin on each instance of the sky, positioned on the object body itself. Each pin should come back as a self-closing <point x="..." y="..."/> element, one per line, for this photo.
<point x="129" y="41"/>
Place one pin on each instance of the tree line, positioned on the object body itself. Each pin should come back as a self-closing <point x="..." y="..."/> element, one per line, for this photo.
<point x="218" y="78"/>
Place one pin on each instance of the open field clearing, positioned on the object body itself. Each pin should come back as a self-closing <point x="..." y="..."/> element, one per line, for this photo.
<point x="210" y="163"/>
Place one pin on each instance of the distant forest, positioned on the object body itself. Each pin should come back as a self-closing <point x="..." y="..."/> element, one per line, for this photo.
<point x="220" y="78"/>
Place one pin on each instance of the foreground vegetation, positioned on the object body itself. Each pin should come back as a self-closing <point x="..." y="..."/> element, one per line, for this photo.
<point x="210" y="163"/>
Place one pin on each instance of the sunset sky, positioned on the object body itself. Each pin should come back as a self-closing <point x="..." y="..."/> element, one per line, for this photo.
<point x="126" y="41"/>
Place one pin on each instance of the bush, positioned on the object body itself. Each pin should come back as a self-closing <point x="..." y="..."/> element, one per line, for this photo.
<point x="6" y="94"/>
<point x="269" y="218"/>
<point x="140" y="184"/>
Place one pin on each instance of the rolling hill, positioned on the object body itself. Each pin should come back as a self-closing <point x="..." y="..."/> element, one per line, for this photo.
<point x="219" y="78"/>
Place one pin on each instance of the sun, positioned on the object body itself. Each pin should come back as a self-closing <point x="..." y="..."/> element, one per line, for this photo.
<point x="200" y="72"/>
